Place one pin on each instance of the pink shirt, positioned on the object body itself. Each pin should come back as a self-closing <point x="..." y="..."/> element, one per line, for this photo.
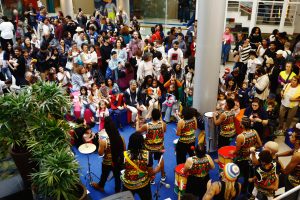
<point x="228" y="38"/>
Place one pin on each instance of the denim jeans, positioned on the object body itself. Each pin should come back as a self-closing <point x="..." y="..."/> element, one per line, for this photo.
<point x="6" y="71"/>
<point x="225" y="52"/>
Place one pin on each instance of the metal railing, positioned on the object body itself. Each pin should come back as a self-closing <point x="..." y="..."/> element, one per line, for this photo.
<point x="266" y="12"/>
<point x="286" y="194"/>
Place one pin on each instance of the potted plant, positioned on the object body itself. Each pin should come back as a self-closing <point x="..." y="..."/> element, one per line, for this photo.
<point x="15" y="112"/>
<point x="58" y="177"/>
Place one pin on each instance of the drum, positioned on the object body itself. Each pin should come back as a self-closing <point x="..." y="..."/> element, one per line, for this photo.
<point x="225" y="155"/>
<point x="211" y="132"/>
<point x="180" y="180"/>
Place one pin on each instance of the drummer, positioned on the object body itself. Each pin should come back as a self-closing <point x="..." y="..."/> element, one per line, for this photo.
<point x="154" y="140"/>
<point x="186" y="128"/>
<point x="197" y="168"/>
<point x="248" y="138"/>
<point x="228" y="188"/>
<point x="226" y="122"/>
<point x="111" y="149"/>
<point x="138" y="168"/>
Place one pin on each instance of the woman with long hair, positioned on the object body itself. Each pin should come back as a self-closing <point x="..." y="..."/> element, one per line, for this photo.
<point x="121" y="51"/>
<point x="138" y="171"/>
<point x="197" y="167"/>
<point x="226" y="189"/>
<point x="111" y="149"/>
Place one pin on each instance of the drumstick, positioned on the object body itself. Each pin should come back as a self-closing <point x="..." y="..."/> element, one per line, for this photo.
<point x="161" y="157"/>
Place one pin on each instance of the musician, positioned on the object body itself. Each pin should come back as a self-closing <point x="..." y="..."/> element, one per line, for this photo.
<point x="154" y="140"/>
<point x="293" y="168"/>
<point x="265" y="180"/>
<point x="197" y="168"/>
<point x="138" y="168"/>
<point x="186" y="131"/>
<point x="226" y="122"/>
<point x="248" y="138"/>
<point x="226" y="189"/>
<point x="111" y="149"/>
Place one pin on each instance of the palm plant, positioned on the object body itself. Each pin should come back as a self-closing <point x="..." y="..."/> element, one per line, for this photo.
<point x="58" y="175"/>
<point x="50" y="99"/>
<point x="15" y="111"/>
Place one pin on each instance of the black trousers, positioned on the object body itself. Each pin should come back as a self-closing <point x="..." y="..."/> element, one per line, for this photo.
<point x="181" y="150"/>
<point x="144" y="193"/>
<point x="197" y="185"/>
<point x="223" y="141"/>
<point x="245" y="172"/>
<point x="106" y="169"/>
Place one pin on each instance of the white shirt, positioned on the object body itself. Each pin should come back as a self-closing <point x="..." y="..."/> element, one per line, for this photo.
<point x="252" y="64"/>
<point x="144" y="69"/>
<point x="1" y="58"/>
<point x="64" y="78"/>
<point x="94" y="57"/>
<point x="289" y="94"/>
<point x="48" y="29"/>
<point x="175" y="56"/>
<point x="157" y="64"/>
<point x="7" y="29"/>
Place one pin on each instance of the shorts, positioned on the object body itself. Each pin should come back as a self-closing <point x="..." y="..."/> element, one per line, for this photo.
<point x="154" y="156"/>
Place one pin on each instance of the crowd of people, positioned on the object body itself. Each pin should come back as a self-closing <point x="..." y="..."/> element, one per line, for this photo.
<point x="109" y="70"/>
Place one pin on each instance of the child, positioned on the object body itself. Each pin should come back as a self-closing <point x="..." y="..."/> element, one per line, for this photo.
<point x="221" y="102"/>
<point x="252" y="65"/>
<point x="102" y="112"/>
<point x="265" y="179"/>
<point x="272" y="118"/>
<point x="170" y="105"/>
<point x="104" y="91"/>
<point x="88" y="135"/>
<point x="83" y="100"/>
<point x="189" y="77"/>
<point x="189" y="98"/>
<point x="243" y="95"/>
<point x="153" y="96"/>
<point x="117" y="111"/>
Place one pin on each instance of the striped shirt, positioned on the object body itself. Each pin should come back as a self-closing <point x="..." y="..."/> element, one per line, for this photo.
<point x="244" y="53"/>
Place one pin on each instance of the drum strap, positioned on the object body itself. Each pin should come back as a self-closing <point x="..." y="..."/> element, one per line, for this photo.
<point x="141" y="172"/>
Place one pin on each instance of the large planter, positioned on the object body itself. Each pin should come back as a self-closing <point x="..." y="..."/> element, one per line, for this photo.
<point x="24" y="164"/>
<point x="83" y="191"/>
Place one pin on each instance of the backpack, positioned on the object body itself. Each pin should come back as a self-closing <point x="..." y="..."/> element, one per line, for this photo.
<point x="289" y="57"/>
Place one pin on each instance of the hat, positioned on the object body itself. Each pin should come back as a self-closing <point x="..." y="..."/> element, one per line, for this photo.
<point x="227" y="70"/>
<point x="279" y="52"/>
<point x="231" y="171"/>
<point x="79" y="29"/>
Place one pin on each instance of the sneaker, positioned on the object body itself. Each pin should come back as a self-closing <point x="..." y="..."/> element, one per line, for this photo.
<point x="163" y="178"/>
<point x="152" y="182"/>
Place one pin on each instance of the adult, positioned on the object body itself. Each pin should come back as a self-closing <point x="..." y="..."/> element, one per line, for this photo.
<point x="30" y="14"/>
<point x="105" y="51"/>
<point x="110" y="10"/>
<point x="135" y="44"/>
<point x="19" y="68"/>
<point x="182" y="45"/>
<point x="154" y="140"/>
<point x="286" y="76"/>
<point x="77" y="78"/>
<point x="226" y="189"/>
<point x="120" y="50"/>
<point x="145" y="67"/>
<point x="58" y="29"/>
<point x="290" y="101"/>
<point x="111" y="149"/>
<point x="186" y="128"/>
<point x="257" y="116"/>
<point x="226" y="45"/>
<point x="138" y="171"/>
<point x="261" y="83"/>
<point x="244" y="141"/>
<point x="226" y="123"/>
<point x="131" y="96"/>
<point x="197" y="168"/>
<point x="255" y="37"/>
<point x="114" y="65"/>
<point x="125" y="75"/>
<point x="81" y="18"/>
<point x="7" y="32"/>
<point x="175" y="55"/>
<point x="94" y="23"/>
<point x="292" y="170"/>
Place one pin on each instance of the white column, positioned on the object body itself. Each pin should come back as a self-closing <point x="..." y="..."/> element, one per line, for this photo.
<point x="283" y="15"/>
<point x="253" y="15"/>
<point x="208" y="53"/>
<point x="124" y="5"/>
<point x="225" y="18"/>
<point x="67" y="7"/>
<point x="197" y="8"/>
